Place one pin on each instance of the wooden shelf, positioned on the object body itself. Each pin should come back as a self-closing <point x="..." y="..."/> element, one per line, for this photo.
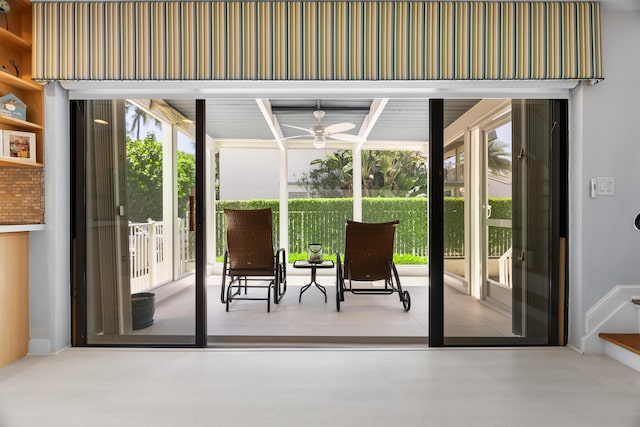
<point x="15" y="44"/>
<point x="25" y="4"/>
<point x="19" y="83"/>
<point x="19" y="123"/>
<point x="20" y="228"/>
<point x="8" y="37"/>
<point x="9" y="161"/>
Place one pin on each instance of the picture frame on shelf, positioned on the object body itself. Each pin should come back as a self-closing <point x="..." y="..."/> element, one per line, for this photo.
<point x="19" y="145"/>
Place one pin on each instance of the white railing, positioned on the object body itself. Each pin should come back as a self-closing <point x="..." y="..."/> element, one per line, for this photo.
<point x="500" y="236"/>
<point x="505" y="268"/>
<point x="150" y="255"/>
<point x="186" y="248"/>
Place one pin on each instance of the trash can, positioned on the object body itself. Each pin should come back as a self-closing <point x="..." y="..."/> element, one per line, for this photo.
<point x="143" y="306"/>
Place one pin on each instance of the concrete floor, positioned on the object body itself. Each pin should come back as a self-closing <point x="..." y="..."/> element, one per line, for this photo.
<point x="236" y="388"/>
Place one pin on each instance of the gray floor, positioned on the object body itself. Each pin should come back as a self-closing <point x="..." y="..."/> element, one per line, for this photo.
<point x="452" y="387"/>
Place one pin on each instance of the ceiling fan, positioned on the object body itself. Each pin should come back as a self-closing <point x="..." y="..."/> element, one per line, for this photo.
<point x="320" y="133"/>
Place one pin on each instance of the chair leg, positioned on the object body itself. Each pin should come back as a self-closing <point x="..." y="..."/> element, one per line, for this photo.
<point x="269" y="299"/>
<point x="224" y="278"/>
<point x="276" y="291"/>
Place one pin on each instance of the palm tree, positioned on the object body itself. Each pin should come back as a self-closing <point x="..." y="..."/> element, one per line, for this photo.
<point x="498" y="158"/>
<point x="384" y="174"/>
<point x="140" y="118"/>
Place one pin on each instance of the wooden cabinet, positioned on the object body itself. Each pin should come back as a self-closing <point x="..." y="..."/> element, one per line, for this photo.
<point x="22" y="181"/>
<point x="14" y="296"/>
<point x="15" y="78"/>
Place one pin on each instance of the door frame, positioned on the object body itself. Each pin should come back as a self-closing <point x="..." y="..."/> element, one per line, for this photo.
<point x="79" y="91"/>
<point x="557" y="331"/>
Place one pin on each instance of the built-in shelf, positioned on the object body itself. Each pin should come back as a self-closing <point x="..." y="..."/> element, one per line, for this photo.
<point x="22" y="3"/>
<point x="8" y="161"/>
<point x="19" y="123"/>
<point x="19" y="228"/>
<point x="7" y="37"/>
<point x="18" y="82"/>
<point x="16" y="45"/>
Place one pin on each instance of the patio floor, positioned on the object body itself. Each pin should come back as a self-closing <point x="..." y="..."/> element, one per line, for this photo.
<point x="370" y="316"/>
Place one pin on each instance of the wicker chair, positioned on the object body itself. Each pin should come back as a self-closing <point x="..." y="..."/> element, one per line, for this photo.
<point x="250" y="257"/>
<point x="368" y="257"/>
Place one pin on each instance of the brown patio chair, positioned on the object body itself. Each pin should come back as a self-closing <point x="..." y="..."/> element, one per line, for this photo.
<point x="368" y="257"/>
<point x="250" y="258"/>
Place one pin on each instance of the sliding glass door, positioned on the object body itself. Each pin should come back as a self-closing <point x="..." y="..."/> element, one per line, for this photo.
<point x="149" y="178"/>
<point x="501" y="284"/>
<point x="137" y="229"/>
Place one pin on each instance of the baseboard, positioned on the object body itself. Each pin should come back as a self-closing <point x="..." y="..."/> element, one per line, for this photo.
<point x="39" y="347"/>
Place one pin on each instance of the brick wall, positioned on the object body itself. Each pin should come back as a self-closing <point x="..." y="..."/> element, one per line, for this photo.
<point x="21" y="195"/>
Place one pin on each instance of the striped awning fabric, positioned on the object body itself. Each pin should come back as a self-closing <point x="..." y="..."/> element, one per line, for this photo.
<point x="316" y="40"/>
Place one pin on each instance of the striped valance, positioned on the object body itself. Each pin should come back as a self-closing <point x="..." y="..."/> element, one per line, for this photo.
<point x="302" y="40"/>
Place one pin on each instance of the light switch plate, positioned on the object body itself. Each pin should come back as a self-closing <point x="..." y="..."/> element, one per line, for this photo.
<point x="606" y="185"/>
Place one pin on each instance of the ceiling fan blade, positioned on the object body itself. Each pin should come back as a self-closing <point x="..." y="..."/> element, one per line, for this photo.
<point x="347" y="137"/>
<point x="299" y="128"/>
<point x="297" y="136"/>
<point x="339" y="127"/>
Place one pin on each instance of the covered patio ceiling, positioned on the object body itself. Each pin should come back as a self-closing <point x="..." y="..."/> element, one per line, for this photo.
<point x="384" y="112"/>
<point x="385" y="121"/>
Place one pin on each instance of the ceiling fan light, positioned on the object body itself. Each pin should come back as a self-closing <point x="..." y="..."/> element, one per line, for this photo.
<point x="319" y="141"/>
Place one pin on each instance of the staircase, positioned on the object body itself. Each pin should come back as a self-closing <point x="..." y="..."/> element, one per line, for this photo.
<point x="625" y="348"/>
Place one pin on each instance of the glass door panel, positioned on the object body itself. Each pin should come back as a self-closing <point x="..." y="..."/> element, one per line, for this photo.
<point x="245" y="178"/>
<point x="320" y="201"/>
<point x="455" y="260"/>
<point x="133" y="291"/>
<point x="498" y="150"/>
<point x="507" y="222"/>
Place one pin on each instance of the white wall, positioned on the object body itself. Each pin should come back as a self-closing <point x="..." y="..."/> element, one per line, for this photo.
<point x="261" y="168"/>
<point x="247" y="174"/>
<point x="605" y="141"/>
<point x="49" y="266"/>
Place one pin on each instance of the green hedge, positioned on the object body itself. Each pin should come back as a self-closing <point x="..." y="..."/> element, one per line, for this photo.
<point x="323" y="221"/>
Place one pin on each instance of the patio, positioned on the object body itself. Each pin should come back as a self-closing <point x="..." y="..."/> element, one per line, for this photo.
<point x="363" y="319"/>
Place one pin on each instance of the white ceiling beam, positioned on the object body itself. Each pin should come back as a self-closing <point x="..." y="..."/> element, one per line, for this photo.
<point x="377" y="106"/>
<point x="272" y="122"/>
<point x="535" y="89"/>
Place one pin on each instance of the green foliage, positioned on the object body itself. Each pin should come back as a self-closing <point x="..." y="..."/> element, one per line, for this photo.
<point x="499" y="237"/>
<point x="186" y="164"/>
<point x="412" y="232"/>
<point x="144" y="179"/>
<point x="384" y="174"/>
<point x="454" y="226"/>
<point x="454" y="235"/>
<point x="398" y="259"/>
<point x="323" y="221"/>
<point x="331" y="176"/>
<point x="292" y="257"/>
<point x="393" y="174"/>
<point x="409" y="259"/>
